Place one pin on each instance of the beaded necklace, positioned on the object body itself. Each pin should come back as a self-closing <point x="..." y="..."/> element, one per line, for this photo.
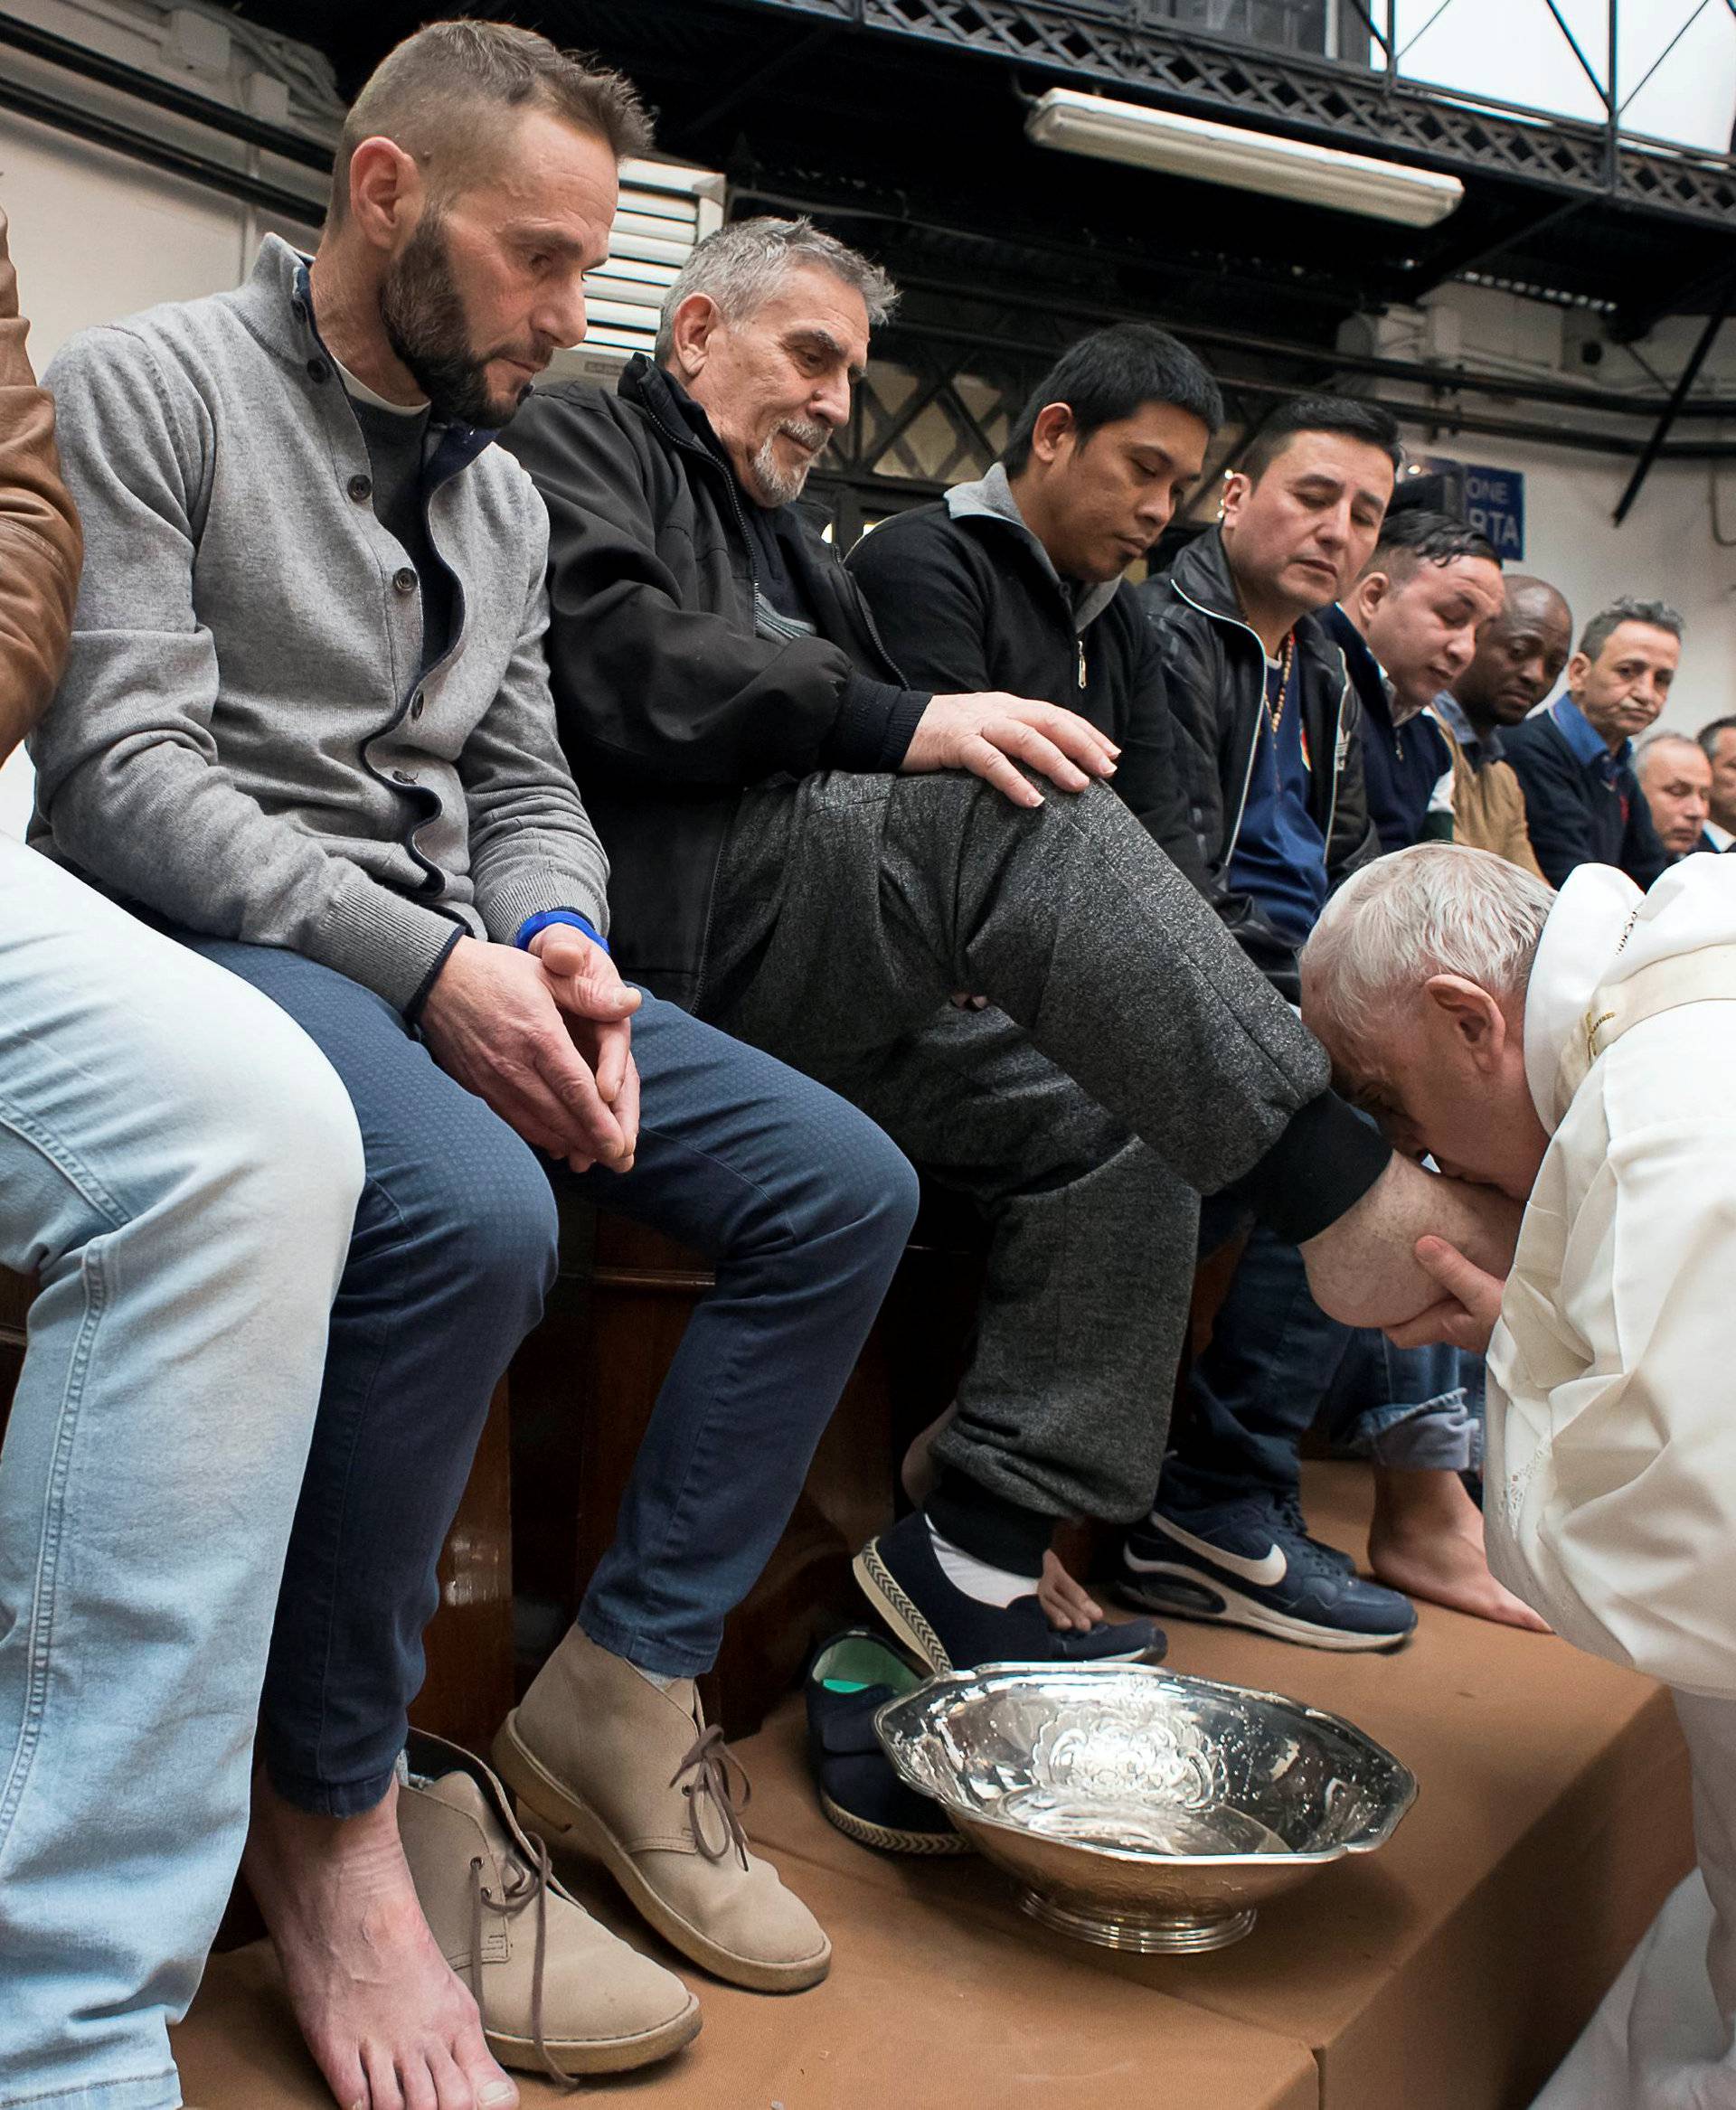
<point x="1276" y="715"/>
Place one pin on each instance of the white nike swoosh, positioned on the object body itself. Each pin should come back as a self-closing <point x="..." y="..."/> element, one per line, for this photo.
<point x="1264" y="1573"/>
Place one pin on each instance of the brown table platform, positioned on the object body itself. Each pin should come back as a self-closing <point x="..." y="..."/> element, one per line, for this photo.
<point x="1448" y="1972"/>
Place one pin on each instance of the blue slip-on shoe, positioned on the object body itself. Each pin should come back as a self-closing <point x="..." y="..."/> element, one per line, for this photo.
<point x="853" y="1675"/>
<point x="1245" y="1563"/>
<point x="948" y="1631"/>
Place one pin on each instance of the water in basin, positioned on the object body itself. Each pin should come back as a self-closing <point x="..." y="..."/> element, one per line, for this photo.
<point x="1144" y="1827"/>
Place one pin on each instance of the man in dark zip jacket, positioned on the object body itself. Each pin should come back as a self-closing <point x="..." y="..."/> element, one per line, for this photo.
<point x="1272" y="738"/>
<point x="817" y="855"/>
<point x="1270" y="861"/>
<point x="1017" y="581"/>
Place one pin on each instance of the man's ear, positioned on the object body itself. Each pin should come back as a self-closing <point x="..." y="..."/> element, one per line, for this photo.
<point x="1237" y="487"/>
<point x="1578" y="667"/>
<point x="1477" y="1021"/>
<point x="693" y="326"/>
<point x="387" y="193"/>
<point x="1051" y="432"/>
<point x="1366" y="596"/>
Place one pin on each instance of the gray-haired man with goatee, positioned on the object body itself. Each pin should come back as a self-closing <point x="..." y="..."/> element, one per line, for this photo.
<point x="818" y="856"/>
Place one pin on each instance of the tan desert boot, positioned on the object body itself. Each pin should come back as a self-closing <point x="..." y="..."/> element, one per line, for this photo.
<point x="558" y="1993"/>
<point x="605" y="1763"/>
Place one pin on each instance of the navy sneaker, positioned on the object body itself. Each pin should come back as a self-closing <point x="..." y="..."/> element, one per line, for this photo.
<point x="853" y="1675"/>
<point x="948" y="1631"/>
<point x="1248" y="1563"/>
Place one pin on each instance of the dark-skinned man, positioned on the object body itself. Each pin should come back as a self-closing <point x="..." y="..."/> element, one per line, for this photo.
<point x="1519" y="658"/>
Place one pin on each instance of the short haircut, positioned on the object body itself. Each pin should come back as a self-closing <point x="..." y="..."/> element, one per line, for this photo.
<point x="1435" y="908"/>
<point x="1414" y="537"/>
<point x="1653" y="741"/>
<point x="1603" y="626"/>
<point x="1111" y="374"/>
<point x="742" y="265"/>
<point x="1342" y="414"/>
<point x="1708" y="735"/>
<point x="438" y="84"/>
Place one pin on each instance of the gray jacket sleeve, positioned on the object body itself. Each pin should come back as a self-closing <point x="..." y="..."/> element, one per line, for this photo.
<point x="128" y="780"/>
<point x="532" y="844"/>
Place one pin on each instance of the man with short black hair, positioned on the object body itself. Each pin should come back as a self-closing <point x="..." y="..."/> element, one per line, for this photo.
<point x="1266" y="715"/>
<point x="1015" y="582"/>
<point x="1277" y="787"/>
<point x="1718" y="742"/>
<point x="1408" y="627"/>
<point x="1574" y="761"/>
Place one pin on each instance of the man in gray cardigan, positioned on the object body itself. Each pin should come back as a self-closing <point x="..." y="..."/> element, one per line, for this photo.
<point x="307" y="728"/>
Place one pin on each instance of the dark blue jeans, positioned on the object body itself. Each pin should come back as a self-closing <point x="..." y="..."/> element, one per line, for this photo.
<point x="1275" y="1359"/>
<point x="802" y="1205"/>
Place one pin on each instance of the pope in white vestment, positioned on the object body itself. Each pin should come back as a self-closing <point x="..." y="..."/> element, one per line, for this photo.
<point x="1579" y="1050"/>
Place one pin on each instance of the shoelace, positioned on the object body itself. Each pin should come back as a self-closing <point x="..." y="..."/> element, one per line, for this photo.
<point x="710" y="1763"/>
<point x="523" y="1887"/>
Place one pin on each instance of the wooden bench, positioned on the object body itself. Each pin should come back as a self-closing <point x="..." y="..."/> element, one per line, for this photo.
<point x="563" y="1429"/>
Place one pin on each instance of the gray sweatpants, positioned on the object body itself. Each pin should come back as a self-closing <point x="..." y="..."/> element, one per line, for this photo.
<point x="1134" y="1060"/>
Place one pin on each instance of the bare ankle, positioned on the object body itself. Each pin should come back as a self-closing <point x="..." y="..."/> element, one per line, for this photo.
<point x="1416" y="1499"/>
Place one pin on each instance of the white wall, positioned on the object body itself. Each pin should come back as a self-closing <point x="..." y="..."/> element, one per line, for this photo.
<point x="1663" y="551"/>
<point x="1513" y="50"/>
<point x="95" y="236"/>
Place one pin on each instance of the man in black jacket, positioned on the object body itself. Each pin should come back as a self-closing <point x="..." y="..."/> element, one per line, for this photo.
<point x="1017" y="581"/>
<point x="801" y="846"/>
<point x="1575" y="761"/>
<point x="1279" y="810"/>
<point x="1272" y="738"/>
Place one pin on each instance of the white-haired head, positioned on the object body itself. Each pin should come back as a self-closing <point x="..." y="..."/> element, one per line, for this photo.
<point x="741" y="266"/>
<point x="1437" y="908"/>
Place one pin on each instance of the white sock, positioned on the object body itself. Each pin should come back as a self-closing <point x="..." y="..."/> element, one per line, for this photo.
<point x="654" y="1677"/>
<point x="976" y="1579"/>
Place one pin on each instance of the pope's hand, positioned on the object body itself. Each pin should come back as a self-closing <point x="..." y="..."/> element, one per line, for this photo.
<point x="1465" y="1316"/>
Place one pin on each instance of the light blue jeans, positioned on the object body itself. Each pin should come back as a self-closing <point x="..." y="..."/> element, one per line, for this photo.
<point x="180" y="1168"/>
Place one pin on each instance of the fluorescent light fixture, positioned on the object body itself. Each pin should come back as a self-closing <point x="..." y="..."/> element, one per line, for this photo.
<point x="1134" y="133"/>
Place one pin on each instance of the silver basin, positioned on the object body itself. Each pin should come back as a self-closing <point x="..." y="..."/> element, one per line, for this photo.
<point x="1138" y="1808"/>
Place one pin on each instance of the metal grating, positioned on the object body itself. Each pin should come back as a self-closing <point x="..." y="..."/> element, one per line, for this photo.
<point x="1308" y="97"/>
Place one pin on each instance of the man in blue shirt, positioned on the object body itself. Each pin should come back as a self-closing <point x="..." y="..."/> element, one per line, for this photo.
<point x="1407" y="630"/>
<point x="1574" y="761"/>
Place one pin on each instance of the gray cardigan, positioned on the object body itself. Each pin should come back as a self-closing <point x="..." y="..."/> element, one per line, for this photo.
<point x="241" y="741"/>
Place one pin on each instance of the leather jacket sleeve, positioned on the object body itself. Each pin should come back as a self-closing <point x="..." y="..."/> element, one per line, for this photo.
<point x="649" y="687"/>
<point x="1202" y="705"/>
<point x="1354" y="839"/>
<point x="41" y="546"/>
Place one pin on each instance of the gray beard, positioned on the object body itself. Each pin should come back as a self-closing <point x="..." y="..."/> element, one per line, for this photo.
<point x="773" y="482"/>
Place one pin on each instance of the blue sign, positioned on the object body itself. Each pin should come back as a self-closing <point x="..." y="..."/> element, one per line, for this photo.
<point x="1493" y="501"/>
<point x="1494" y="504"/>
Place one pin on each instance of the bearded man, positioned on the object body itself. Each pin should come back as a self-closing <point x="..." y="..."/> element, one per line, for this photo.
<point x="1573" y="1052"/>
<point x="307" y="726"/>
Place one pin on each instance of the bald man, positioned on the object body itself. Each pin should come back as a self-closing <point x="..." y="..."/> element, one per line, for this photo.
<point x="1675" y="774"/>
<point x="1520" y="655"/>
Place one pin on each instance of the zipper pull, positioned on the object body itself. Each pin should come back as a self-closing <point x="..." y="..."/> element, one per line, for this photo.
<point x="1082" y="663"/>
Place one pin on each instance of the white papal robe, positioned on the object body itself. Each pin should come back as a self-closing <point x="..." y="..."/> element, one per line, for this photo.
<point x="1610" y="1490"/>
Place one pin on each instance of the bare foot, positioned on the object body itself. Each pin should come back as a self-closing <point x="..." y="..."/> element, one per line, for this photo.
<point x="918" y="1472"/>
<point x="390" y="2025"/>
<point x="1426" y="1540"/>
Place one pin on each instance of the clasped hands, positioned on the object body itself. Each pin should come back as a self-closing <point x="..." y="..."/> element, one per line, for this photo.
<point x="544" y="1036"/>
